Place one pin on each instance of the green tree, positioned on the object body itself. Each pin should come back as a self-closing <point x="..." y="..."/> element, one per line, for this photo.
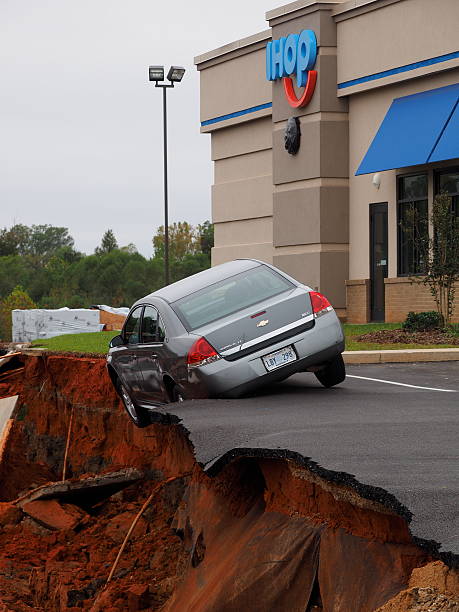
<point x="108" y="244"/>
<point x="117" y="278"/>
<point x="40" y="242"/>
<point x="61" y="286"/>
<point x="45" y="240"/>
<point x="18" y="298"/>
<point x="54" y="274"/>
<point x="190" y="264"/>
<point x="129" y="248"/>
<point x="206" y="237"/>
<point x="14" y="241"/>
<point x="14" y="270"/>
<point x="189" y="249"/>
<point x="68" y="254"/>
<point x="439" y="253"/>
<point x="182" y="240"/>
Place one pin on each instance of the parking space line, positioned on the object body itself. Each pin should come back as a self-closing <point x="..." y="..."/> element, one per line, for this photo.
<point x="391" y="382"/>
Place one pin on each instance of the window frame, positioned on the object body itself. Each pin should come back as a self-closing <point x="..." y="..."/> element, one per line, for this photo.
<point x="159" y="318"/>
<point x="400" y="203"/>
<point x="448" y="170"/>
<point x="123" y="333"/>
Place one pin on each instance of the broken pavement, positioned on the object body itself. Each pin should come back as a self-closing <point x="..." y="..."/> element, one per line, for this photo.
<point x="259" y="531"/>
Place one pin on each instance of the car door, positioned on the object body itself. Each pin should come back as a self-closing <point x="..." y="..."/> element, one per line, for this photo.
<point x="149" y="357"/>
<point x="124" y="357"/>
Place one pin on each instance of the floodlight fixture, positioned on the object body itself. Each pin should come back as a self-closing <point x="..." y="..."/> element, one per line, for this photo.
<point x="175" y="74"/>
<point x="156" y="73"/>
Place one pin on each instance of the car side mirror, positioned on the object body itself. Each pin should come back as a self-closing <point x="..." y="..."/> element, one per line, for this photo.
<point x="116" y="341"/>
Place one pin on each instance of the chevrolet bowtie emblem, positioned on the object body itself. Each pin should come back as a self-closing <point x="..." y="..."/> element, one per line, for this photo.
<point x="263" y="323"/>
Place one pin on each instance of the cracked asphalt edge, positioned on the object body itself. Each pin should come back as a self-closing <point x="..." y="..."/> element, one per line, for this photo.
<point x="370" y="492"/>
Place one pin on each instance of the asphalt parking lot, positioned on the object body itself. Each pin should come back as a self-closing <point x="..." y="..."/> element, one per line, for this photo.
<point x="391" y="425"/>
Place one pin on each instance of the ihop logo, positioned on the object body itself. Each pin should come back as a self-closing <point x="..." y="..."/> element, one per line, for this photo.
<point x="296" y="55"/>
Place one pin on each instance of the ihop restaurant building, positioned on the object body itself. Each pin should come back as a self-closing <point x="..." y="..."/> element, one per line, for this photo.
<point x="326" y="130"/>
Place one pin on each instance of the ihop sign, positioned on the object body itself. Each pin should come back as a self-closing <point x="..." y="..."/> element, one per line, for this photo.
<point x="296" y="55"/>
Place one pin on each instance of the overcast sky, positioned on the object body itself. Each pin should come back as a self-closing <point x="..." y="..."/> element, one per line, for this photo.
<point x="80" y="125"/>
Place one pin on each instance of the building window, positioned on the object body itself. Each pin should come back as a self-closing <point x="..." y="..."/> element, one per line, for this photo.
<point x="447" y="181"/>
<point x="412" y="221"/>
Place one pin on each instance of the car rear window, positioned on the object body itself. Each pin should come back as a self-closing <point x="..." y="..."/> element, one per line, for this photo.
<point x="229" y="296"/>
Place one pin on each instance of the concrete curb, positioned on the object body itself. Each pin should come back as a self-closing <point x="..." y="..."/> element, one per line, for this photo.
<point x="403" y="356"/>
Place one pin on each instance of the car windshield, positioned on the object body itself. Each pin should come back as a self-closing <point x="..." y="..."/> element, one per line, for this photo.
<point x="229" y="296"/>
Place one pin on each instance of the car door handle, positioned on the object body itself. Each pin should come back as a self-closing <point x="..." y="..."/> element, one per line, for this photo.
<point x="154" y="356"/>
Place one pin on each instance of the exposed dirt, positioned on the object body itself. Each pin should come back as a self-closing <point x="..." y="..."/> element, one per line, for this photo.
<point x="261" y="531"/>
<point x="399" y="336"/>
<point x="432" y="588"/>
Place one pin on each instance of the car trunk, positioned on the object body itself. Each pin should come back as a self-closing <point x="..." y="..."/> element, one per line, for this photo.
<point x="260" y="325"/>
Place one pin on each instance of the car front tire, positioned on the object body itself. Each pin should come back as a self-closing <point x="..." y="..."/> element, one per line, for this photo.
<point x="333" y="373"/>
<point x="138" y="415"/>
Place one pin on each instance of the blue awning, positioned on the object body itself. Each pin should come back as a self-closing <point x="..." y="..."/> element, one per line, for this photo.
<point x="448" y="144"/>
<point x="417" y="129"/>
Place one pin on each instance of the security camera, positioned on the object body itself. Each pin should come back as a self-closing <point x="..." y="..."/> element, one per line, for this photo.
<point x="376" y="180"/>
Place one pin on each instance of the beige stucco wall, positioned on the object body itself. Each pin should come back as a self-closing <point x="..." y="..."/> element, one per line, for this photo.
<point x="256" y="163"/>
<point x="242" y="192"/>
<point x="261" y="251"/>
<point x="240" y="138"/>
<point x="394" y="35"/>
<point x="233" y="79"/>
<point x="366" y="112"/>
<point x="247" y="198"/>
<point x="246" y="231"/>
<point x="242" y="186"/>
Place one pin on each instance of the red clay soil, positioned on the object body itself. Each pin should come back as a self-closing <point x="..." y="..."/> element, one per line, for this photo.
<point x="262" y="534"/>
<point x="101" y="439"/>
<point x="431" y="588"/>
<point x="65" y="568"/>
<point x="252" y="550"/>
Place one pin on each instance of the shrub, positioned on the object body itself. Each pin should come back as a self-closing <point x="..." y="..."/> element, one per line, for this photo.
<point x="18" y="298"/>
<point x="422" y="321"/>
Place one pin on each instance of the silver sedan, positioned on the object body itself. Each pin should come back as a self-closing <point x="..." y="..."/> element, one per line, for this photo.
<point x="223" y="333"/>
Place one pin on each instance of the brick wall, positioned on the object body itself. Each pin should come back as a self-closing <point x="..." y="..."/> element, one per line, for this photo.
<point x="358" y="300"/>
<point x="403" y="296"/>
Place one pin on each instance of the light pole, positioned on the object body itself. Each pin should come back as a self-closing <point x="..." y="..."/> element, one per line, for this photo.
<point x="175" y="75"/>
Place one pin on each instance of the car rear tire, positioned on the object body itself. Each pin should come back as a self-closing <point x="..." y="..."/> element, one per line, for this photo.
<point x="138" y="415"/>
<point x="333" y="374"/>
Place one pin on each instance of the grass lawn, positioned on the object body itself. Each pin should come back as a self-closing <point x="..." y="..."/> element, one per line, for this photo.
<point x="97" y="342"/>
<point x="351" y="331"/>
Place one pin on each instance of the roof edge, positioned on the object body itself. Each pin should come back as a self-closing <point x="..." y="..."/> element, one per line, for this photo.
<point x="353" y="8"/>
<point x="233" y="46"/>
<point x="298" y="5"/>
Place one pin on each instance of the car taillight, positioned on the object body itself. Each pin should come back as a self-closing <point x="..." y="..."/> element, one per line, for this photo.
<point x="320" y="304"/>
<point x="201" y="353"/>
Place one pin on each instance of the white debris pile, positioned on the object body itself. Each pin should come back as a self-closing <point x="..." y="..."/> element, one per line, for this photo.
<point x="42" y="323"/>
<point x="118" y="311"/>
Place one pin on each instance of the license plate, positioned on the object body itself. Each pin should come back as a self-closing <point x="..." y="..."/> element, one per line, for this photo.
<point x="279" y="358"/>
